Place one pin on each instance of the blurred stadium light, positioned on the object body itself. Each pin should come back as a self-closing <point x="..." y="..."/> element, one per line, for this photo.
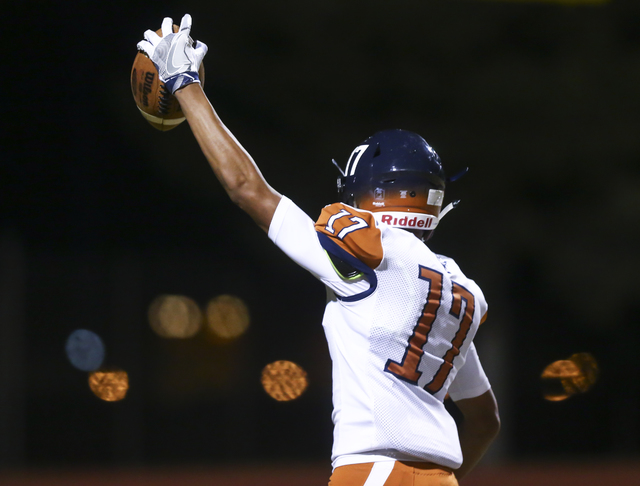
<point x="227" y="316"/>
<point x="175" y="316"/>
<point x="284" y="380"/>
<point x="109" y="385"/>
<point x="567" y="377"/>
<point x="85" y="350"/>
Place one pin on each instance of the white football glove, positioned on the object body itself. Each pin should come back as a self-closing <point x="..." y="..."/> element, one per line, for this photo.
<point x="174" y="54"/>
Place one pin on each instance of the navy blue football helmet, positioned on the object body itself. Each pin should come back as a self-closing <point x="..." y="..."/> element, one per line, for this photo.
<point x="396" y="175"/>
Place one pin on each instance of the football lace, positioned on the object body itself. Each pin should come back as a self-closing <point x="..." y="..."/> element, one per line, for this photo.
<point x="165" y="100"/>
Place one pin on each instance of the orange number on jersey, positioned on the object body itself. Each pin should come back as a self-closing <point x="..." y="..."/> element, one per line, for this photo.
<point x="407" y="370"/>
<point x="459" y="294"/>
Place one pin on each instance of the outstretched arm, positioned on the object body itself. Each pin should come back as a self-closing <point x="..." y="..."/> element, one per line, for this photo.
<point x="479" y="427"/>
<point x="231" y="163"/>
<point x="177" y="59"/>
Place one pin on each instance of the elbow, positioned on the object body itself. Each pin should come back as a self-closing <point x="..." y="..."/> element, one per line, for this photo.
<point x="238" y="196"/>
<point x="493" y="425"/>
<point x="485" y="429"/>
<point x="488" y="422"/>
<point x="240" y="191"/>
<point x="481" y="414"/>
<point x="253" y="198"/>
<point x="244" y="196"/>
<point x="256" y="199"/>
<point x="484" y="423"/>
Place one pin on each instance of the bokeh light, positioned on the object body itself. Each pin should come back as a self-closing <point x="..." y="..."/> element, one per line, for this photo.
<point x="284" y="380"/>
<point x="565" y="378"/>
<point x="589" y="371"/>
<point x="175" y="316"/>
<point x="85" y="350"/>
<point x="227" y="316"/>
<point x="109" y="385"/>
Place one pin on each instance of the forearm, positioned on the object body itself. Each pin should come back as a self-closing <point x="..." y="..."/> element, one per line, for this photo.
<point x="232" y="165"/>
<point x="475" y="441"/>
<point x="478" y="429"/>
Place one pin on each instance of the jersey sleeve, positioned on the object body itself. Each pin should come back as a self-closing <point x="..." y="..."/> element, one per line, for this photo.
<point x="353" y="231"/>
<point x="471" y="380"/>
<point x="292" y="230"/>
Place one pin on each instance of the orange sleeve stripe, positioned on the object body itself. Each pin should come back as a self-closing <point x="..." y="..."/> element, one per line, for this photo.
<point x="354" y="231"/>
<point x="484" y="317"/>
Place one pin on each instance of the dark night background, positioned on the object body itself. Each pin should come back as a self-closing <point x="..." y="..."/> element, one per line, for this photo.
<point x="100" y="213"/>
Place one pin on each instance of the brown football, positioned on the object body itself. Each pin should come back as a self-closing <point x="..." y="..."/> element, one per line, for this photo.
<point x="157" y="105"/>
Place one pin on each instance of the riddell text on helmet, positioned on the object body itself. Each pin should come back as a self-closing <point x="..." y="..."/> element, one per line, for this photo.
<point x="422" y="221"/>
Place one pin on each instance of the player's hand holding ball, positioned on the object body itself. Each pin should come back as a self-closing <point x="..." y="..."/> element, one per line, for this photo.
<point x="167" y="60"/>
<point x="174" y="54"/>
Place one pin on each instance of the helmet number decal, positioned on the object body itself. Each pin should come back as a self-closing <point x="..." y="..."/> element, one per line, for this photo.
<point x="358" y="223"/>
<point x="355" y="158"/>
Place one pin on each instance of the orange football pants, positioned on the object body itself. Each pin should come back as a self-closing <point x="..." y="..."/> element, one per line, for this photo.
<point x="393" y="474"/>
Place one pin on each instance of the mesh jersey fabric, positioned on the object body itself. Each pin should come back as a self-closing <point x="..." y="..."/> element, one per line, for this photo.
<point x="397" y="336"/>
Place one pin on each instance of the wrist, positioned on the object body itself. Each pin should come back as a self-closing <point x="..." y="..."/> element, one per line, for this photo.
<point x="187" y="91"/>
<point x="178" y="81"/>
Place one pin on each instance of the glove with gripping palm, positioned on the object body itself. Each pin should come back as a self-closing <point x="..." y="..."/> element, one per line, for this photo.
<point x="174" y="54"/>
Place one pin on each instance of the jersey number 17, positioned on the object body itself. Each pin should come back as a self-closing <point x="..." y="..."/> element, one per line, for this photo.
<point x="407" y="369"/>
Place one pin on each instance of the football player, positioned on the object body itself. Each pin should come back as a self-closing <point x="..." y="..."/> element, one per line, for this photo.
<point x="399" y="319"/>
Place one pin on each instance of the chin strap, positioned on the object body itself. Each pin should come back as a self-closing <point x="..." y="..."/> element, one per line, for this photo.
<point x="454" y="204"/>
<point x="448" y="208"/>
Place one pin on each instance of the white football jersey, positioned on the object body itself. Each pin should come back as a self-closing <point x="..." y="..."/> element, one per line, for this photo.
<point x="399" y="323"/>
